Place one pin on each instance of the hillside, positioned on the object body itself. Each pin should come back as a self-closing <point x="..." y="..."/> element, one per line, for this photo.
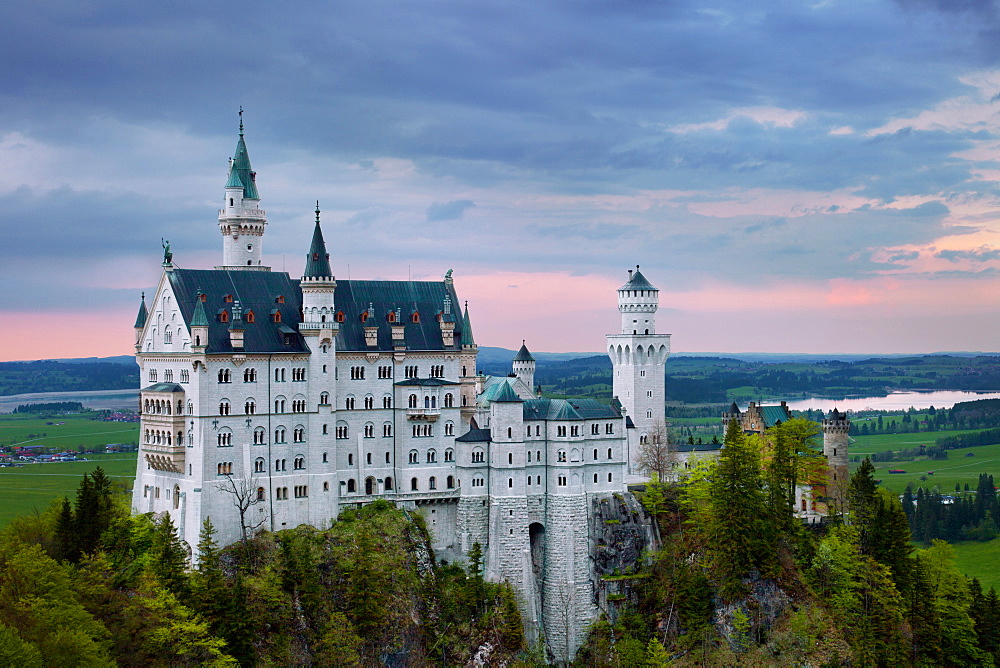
<point x="60" y="376"/>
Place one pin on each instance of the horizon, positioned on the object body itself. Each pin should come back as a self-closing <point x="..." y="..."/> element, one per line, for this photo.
<point x="780" y="199"/>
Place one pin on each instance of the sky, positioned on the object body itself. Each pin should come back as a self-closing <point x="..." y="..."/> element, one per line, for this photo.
<point x="793" y="176"/>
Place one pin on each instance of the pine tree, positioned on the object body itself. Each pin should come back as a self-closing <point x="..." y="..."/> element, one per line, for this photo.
<point x="67" y="545"/>
<point x="740" y="537"/>
<point x="169" y="558"/>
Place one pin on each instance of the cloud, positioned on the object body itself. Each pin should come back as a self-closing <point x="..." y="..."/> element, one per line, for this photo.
<point x="453" y="210"/>
<point x="976" y="255"/>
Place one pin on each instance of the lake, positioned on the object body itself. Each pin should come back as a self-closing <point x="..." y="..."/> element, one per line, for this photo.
<point x="96" y="399"/>
<point x="895" y="401"/>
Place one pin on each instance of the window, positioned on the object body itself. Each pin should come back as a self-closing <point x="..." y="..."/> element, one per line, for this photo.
<point x="223" y="407"/>
<point x="529" y="456"/>
<point x="279" y="375"/>
<point x="388" y="483"/>
<point x="609" y="477"/>
<point x="575" y="430"/>
<point x="437" y="371"/>
<point x="595" y="453"/>
<point x="561" y="481"/>
<point x="413" y="484"/>
<point x="386" y="429"/>
<point x="324" y="399"/>
<point x="510" y="483"/>
<point x="349" y="403"/>
<point x="350" y="459"/>
<point x="413" y="401"/>
<point x="410" y="371"/>
<point x="369" y="430"/>
<point x="326" y="487"/>
<point x="561" y="456"/>
<point x="609" y="428"/>
<point x="224" y="468"/>
<point x="357" y="373"/>
<point x="510" y="457"/>
<point x="414" y="456"/>
<point x="369" y="402"/>
<point x="351" y="487"/>
<point x="609" y="453"/>
<point x="432" y="483"/>
<point x="299" y="462"/>
<point x="561" y="431"/>
<point x="387" y="401"/>
<point x="261" y="494"/>
<point x="478" y="481"/>
<point x="298" y="374"/>
<point x="185" y="376"/>
<point x="478" y="456"/>
<point x="431" y="456"/>
<point x="298" y="434"/>
<point x="449" y="455"/>
<point x="595" y="477"/>
<point x="225" y="439"/>
<point x="415" y="317"/>
<point x="225" y="376"/>
<point x="342" y="430"/>
<point x="250" y="407"/>
<point x="168" y="376"/>
<point x="279" y="435"/>
<point x="250" y="376"/>
<point x="258" y="465"/>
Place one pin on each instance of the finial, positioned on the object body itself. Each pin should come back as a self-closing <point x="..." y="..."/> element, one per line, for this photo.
<point x="241" y="120"/>
<point x="317" y="212"/>
<point x="637" y="267"/>
<point x="144" y="296"/>
<point x="524" y="342"/>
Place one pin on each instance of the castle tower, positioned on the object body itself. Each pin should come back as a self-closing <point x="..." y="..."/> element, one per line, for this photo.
<point x="638" y="356"/>
<point x="241" y="220"/>
<point x="524" y="367"/>
<point x="836" y="428"/>
<point x="140" y="323"/>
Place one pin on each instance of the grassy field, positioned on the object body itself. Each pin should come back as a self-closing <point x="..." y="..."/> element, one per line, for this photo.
<point x="77" y="431"/>
<point x="980" y="560"/>
<point x="33" y="486"/>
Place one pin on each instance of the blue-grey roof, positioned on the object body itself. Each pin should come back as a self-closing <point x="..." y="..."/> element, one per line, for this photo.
<point x="163" y="387"/>
<point x="258" y="292"/>
<point x="506" y="394"/>
<point x="140" y="319"/>
<point x="426" y="298"/>
<point x="475" y="436"/>
<point x="523" y="355"/>
<point x="774" y="414"/>
<point x="637" y="282"/>
<point x="466" y="338"/>
<point x="317" y="260"/>
<point x="424" y="382"/>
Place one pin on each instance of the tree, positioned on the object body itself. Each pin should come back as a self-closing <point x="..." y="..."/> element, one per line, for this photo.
<point x="244" y="495"/>
<point x="655" y="454"/>
<point x="168" y="558"/>
<point x="740" y="537"/>
<point x="338" y="644"/>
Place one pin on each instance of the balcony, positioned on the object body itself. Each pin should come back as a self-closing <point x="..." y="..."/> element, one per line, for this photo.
<point x="423" y="414"/>
<point x="169" y="458"/>
<point x="243" y="212"/>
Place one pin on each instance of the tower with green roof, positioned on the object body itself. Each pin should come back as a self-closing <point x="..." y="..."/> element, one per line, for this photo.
<point x="524" y="366"/>
<point x="241" y="220"/>
<point x="638" y="355"/>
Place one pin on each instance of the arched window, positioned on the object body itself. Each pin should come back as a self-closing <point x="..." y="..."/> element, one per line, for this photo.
<point x="351" y="487"/>
<point x="250" y="407"/>
<point x="561" y="456"/>
<point x="431" y="456"/>
<point x="261" y="494"/>
<point x="258" y="436"/>
<point x="258" y="465"/>
<point x="386" y="429"/>
<point x="432" y="483"/>
<point x="369" y="430"/>
<point x="224" y="407"/>
<point x="510" y="432"/>
<point x="414" y="456"/>
<point x="413" y="484"/>
<point x="388" y="483"/>
<point x="450" y="482"/>
<point x="449" y="400"/>
<point x="324" y="398"/>
<point x="413" y="401"/>
<point x="449" y="455"/>
<point x="371" y="487"/>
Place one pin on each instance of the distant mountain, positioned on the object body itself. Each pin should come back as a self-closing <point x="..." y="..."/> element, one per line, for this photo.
<point x="62" y="376"/>
<point x="118" y="359"/>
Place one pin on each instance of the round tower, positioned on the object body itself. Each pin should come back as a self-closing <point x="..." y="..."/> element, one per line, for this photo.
<point x="637" y="302"/>
<point x="524" y="366"/>
<point x="836" y="428"/>
<point x="241" y="220"/>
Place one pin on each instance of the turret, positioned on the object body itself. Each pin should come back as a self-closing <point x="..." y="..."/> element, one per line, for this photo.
<point x="524" y="366"/>
<point x="468" y="343"/>
<point x="836" y="428"/>
<point x="199" y="325"/>
<point x="318" y="283"/>
<point x="637" y="302"/>
<point x="241" y="220"/>
<point x="140" y="323"/>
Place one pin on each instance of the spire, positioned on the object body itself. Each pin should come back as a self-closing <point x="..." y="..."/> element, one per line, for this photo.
<point x="636" y="281"/>
<point x="523" y="355"/>
<point x="198" y="318"/>
<point x="318" y="260"/>
<point x="240" y="172"/>
<point x="467" y="340"/>
<point x="140" y="320"/>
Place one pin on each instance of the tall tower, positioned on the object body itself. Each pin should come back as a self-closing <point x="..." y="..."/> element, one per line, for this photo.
<point x="241" y="220"/>
<point x="638" y="356"/>
<point x="836" y="428"/>
<point x="524" y="367"/>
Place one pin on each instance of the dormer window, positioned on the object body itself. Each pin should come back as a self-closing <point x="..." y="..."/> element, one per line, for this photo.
<point x="415" y="317"/>
<point x="280" y="299"/>
<point x="392" y="316"/>
<point x="340" y="317"/>
<point x="228" y="299"/>
<point x="364" y="316"/>
<point x="249" y="317"/>
<point x="203" y="297"/>
<point x="223" y="315"/>
<point x="276" y="315"/>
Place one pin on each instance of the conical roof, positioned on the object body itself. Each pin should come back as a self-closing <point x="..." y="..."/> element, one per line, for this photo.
<point x="467" y="339"/>
<point x="637" y="282"/>
<point x="318" y="260"/>
<point x="140" y="319"/>
<point x="507" y="394"/>
<point x="240" y="172"/>
<point x="198" y="318"/>
<point x="523" y="355"/>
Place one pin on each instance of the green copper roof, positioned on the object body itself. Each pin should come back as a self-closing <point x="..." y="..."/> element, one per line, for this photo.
<point x="774" y="414"/>
<point x="467" y="339"/>
<point x="318" y="260"/>
<point x="638" y="282"/>
<point x="523" y="355"/>
<point x="199" y="319"/>
<point x="140" y="320"/>
<point x="506" y="394"/>
<point x="240" y="172"/>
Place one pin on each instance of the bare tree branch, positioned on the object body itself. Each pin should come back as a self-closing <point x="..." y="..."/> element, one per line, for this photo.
<point x="655" y="454"/>
<point x="245" y="497"/>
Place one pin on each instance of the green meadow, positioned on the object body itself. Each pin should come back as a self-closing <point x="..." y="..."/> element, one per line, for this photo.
<point x="78" y="431"/>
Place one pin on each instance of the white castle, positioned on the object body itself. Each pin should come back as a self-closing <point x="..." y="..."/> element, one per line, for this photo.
<point x="292" y="399"/>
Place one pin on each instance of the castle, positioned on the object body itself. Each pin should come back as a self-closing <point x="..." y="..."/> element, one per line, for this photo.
<point x="270" y="402"/>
